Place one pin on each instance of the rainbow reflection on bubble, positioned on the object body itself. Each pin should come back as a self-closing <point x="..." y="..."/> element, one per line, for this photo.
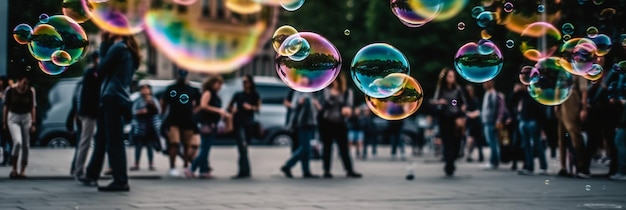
<point x="485" y="19"/>
<point x="22" y="33"/>
<point x="118" y="17"/>
<point x="475" y="66"/>
<point x="595" y="73"/>
<point x="400" y="105"/>
<point x="528" y="74"/>
<point x="61" y="58"/>
<point x="185" y="2"/>
<point x="389" y="85"/>
<point x="536" y="33"/>
<point x="592" y="32"/>
<point x="567" y="28"/>
<point x="74" y="9"/>
<point x="291" y="5"/>
<point x="448" y="10"/>
<point x="374" y="62"/>
<point x="50" y="68"/>
<point x="581" y="56"/>
<point x="553" y="84"/>
<point x="603" y="44"/>
<point x="243" y="6"/>
<point x="296" y="47"/>
<point x="422" y="11"/>
<point x="316" y="71"/>
<point x="44" y="41"/>
<point x="208" y="45"/>
<point x="280" y="35"/>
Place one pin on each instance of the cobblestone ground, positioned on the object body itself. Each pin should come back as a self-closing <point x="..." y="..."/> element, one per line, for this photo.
<point x="382" y="187"/>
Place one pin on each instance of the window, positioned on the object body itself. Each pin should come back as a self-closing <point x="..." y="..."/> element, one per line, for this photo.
<point x="272" y="94"/>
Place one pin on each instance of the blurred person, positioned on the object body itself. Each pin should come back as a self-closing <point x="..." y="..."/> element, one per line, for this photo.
<point x="355" y="131"/>
<point x="514" y="151"/>
<point x="530" y="118"/>
<point x="620" y="144"/>
<point x="450" y="104"/>
<point x="303" y="121"/>
<point x="179" y="120"/>
<point x="492" y="116"/>
<point x="116" y="69"/>
<point x="243" y="106"/>
<point x="290" y="107"/>
<point x="473" y="124"/>
<point x="550" y="129"/>
<point x="210" y="113"/>
<point x="145" y="125"/>
<point x="19" y="118"/>
<point x="571" y="114"/>
<point x="370" y="137"/>
<point x="336" y="108"/>
<point x="85" y="109"/>
<point x="5" y="139"/>
<point x="393" y="133"/>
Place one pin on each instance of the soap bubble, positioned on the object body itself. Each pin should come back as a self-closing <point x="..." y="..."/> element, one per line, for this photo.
<point x="567" y="28"/>
<point x="528" y="75"/>
<point x="603" y="44"/>
<point x="281" y="34"/>
<point x="44" y="41"/>
<point x="50" y="68"/>
<point x="476" y="11"/>
<point x="296" y="47"/>
<point x="554" y="83"/>
<point x="536" y="33"/>
<point x="244" y="7"/>
<point x="592" y="32"/>
<point x="291" y="5"/>
<point x="117" y="17"/>
<point x="420" y="13"/>
<point x="346" y="32"/>
<point x="484" y="34"/>
<point x="61" y="58"/>
<point x="476" y="67"/>
<point x="185" y="2"/>
<point x="183" y="98"/>
<point x="74" y="9"/>
<point x="460" y="26"/>
<point x="595" y="73"/>
<point x="484" y="19"/>
<point x="316" y="71"/>
<point x="400" y="105"/>
<point x="541" y="8"/>
<point x="508" y="7"/>
<point x="22" y="33"/>
<point x="376" y="61"/>
<point x="173" y="93"/>
<point x="486" y="47"/>
<point x="43" y="18"/>
<point x="509" y="43"/>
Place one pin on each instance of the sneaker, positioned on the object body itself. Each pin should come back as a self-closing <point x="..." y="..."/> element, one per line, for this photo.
<point x="87" y="181"/>
<point x="563" y="173"/>
<point x="205" y="176"/>
<point x="618" y="177"/>
<point x="286" y="171"/>
<point x="354" y="175"/>
<point x="134" y="168"/>
<point x="543" y="172"/>
<point x="310" y="176"/>
<point x="328" y="176"/>
<point x="525" y="172"/>
<point x="188" y="173"/>
<point x="173" y="173"/>
<point x="114" y="187"/>
<point x="583" y="175"/>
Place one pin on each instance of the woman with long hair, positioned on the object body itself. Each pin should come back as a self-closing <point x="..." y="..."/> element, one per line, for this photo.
<point x="243" y="106"/>
<point x="209" y="114"/>
<point x="336" y="108"/>
<point x="19" y="119"/>
<point x="118" y="65"/>
<point x="449" y="101"/>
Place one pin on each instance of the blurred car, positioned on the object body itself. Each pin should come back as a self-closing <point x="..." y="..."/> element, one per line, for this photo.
<point x="52" y="131"/>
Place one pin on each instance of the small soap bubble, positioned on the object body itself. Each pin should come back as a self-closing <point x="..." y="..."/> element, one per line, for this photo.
<point x="588" y="187"/>
<point x="547" y="182"/>
<point x="173" y="93"/>
<point x="346" y="32"/>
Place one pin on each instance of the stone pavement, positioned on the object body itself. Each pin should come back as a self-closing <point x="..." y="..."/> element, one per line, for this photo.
<point x="382" y="187"/>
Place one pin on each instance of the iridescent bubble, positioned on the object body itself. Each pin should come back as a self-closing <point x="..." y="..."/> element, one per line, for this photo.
<point x="315" y="72"/>
<point x="296" y="47"/>
<point x="592" y="32"/>
<point x="185" y="2"/>
<point x="554" y="83"/>
<point x="484" y="19"/>
<point x="43" y="18"/>
<point x="598" y="2"/>
<point x="486" y="3"/>
<point x="244" y="7"/>
<point x="566" y="37"/>
<point x="448" y="10"/>
<point x="73" y="36"/>
<point x="567" y="28"/>
<point x="460" y="26"/>
<point x="486" y="47"/>
<point x="594" y="73"/>
<point x="476" y="11"/>
<point x="476" y="67"/>
<point x="539" y="40"/>
<point x="588" y="188"/>
<point x="400" y="105"/>
<point x="508" y="7"/>
<point x="22" y="33"/>
<point x="509" y="43"/>
<point x="389" y="85"/>
<point x="541" y="8"/>
<point x="61" y="58"/>
<point x="484" y="34"/>
<point x="603" y="42"/>
<point x="183" y="98"/>
<point x="376" y="61"/>
<point x="281" y="34"/>
<point x="346" y="32"/>
<point x="205" y="43"/>
<point x="453" y="102"/>
<point x="547" y="182"/>
<point x="117" y="17"/>
<point x="291" y="5"/>
<point x="423" y="11"/>
<point x="583" y="56"/>
<point x="622" y="39"/>
<point x="49" y="68"/>
<point x="173" y="93"/>
<point x="44" y="41"/>
<point x="74" y="9"/>
<point x="528" y="75"/>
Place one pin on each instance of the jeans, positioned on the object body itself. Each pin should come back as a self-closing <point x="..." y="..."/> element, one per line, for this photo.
<point x="109" y="139"/>
<point x="202" y="160"/>
<point x="335" y="132"/>
<point x="19" y="126"/>
<point x="531" y="142"/>
<point x="396" y="142"/>
<point x="620" y="144"/>
<point x="302" y="153"/>
<point x="87" y="130"/>
<point x="144" y="141"/>
<point x="491" y="136"/>
<point x="451" y="142"/>
<point x="243" y="139"/>
<point x="370" y="139"/>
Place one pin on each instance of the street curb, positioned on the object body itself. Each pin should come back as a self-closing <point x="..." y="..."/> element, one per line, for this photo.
<point x="63" y="178"/>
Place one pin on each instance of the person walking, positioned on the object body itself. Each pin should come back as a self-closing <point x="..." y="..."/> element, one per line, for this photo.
<point x="86" y="101"/>
<point x="336" y="108"/>
<point x="449" y="101"/>
<point x="493" y="117"/>
<point x="243" y="106"/>
<point x="393" y="133"/>
<point x="303" y="122"/>
<point x="530" y="116"/>
<point x="370" y="137"/>
<point x="19" y="119"/>
<point x="117" y="67"/>
<point x="571" y="123"/>
<point x="473" y="125"/>
<point x="355" y="131"/>
<point x="145" y="126"/>
<point x="5" y="139"/>
<point x="209" y="114"/>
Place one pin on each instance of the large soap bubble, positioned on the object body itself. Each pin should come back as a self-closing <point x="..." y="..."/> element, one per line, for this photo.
<point x="422" y="12"/>
<point x="400" y="105"/>
<point x="478" y="65"/>
<point x="74" y="9"/>
<point x="553" y="84"/>
<point x="374" y="63"/>
<point x="316" y="71"/>
<point x="539" y="40"/>
<point x="118" y="17"/>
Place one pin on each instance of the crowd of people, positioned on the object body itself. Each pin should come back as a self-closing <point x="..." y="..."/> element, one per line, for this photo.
<point x="515" y="127"/>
